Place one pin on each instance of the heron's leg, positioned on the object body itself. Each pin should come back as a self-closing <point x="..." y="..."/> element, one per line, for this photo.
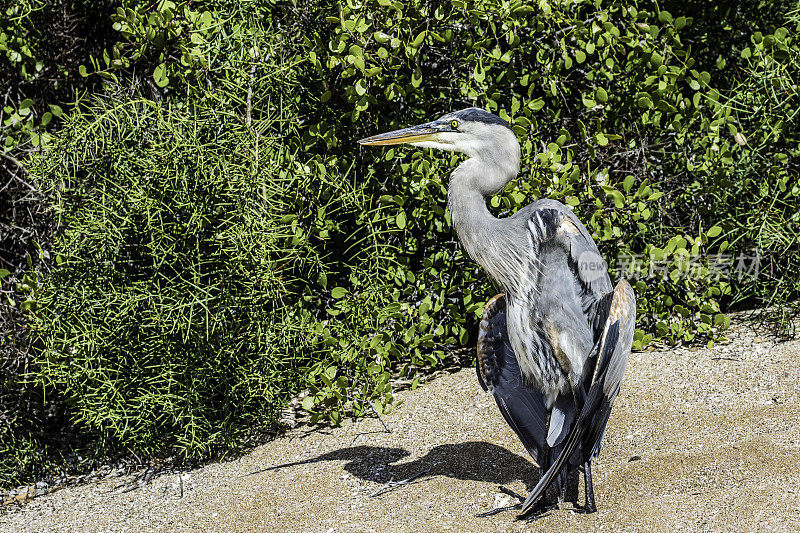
<point x="570" y="491"/>
<point x="590" y="506"/>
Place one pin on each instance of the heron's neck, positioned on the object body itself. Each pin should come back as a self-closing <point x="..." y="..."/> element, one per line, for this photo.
<point x="489" y="241"/>
<point x="470" y="217"/>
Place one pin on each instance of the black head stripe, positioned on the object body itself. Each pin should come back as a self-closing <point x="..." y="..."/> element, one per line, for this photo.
<point x="474" y="114"/>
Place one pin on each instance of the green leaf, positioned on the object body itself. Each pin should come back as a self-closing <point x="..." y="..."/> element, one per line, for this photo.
<point x="656" y="59"/>
<point x="536" y="104"/>
<point x="479" y="74"/>
<point x="619" y="199"/>
<point x="522" y="11"/>
<point x="160" y="75"/>
<point x="714" y="231"/>
<point x="25" y="106"/>
<point x="416" y="78"/>
<point x="463" y="336"/>
<point x="338" y="292"/>
<point x="644" y="102"/>
<point x="628" y="183"/>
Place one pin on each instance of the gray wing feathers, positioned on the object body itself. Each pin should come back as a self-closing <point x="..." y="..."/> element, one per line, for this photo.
<point x="555" y="433"/>
<point x="549" y="219"/>
<point x="561" y="418"/>
<point x="615" y="349"/>
<point x="614" y="352"/>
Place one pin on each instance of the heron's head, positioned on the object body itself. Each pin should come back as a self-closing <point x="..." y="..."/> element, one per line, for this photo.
<point x="473" y="131"/>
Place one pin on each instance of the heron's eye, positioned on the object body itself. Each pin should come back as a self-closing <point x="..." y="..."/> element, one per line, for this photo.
<point x="454" y="124"/>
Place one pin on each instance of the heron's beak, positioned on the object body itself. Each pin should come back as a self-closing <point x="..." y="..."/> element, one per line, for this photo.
<point x="414" y="134"/>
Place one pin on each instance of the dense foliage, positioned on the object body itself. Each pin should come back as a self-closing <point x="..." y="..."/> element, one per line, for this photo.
<point x="219" y="242"/>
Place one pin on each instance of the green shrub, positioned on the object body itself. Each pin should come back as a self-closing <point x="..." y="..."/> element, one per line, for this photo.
<point x="753" y="189"/>
<point x="222" y="242"/>
<point x="202" y="271"/>
<point x="163" y="320"/>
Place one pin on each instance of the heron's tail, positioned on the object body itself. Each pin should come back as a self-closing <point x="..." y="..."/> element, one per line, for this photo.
<point x="593" y="417"/>
<point x="574" y="439"/>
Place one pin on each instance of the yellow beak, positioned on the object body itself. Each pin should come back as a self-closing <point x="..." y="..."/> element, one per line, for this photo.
<point x="423" y="132"/>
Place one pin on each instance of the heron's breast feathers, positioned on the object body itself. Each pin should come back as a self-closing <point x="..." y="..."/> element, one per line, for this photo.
<point x="534" y="349"/>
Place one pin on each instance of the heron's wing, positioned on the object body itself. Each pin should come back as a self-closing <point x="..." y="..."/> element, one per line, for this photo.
<point x="552" y="220"/>
<point x="615" y="347"/>
<point x="498" y="372"/>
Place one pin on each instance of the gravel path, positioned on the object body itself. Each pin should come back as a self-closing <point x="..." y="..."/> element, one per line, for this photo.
<point x="699" y="440"/>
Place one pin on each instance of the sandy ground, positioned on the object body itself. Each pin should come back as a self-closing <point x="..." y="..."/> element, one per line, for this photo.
<point x="699" y="440"/>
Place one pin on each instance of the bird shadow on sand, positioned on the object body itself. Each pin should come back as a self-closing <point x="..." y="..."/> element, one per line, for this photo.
<point x="476" y="461"/>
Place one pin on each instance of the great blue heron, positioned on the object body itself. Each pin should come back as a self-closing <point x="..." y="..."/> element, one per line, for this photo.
<point x="552" y="350"/>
